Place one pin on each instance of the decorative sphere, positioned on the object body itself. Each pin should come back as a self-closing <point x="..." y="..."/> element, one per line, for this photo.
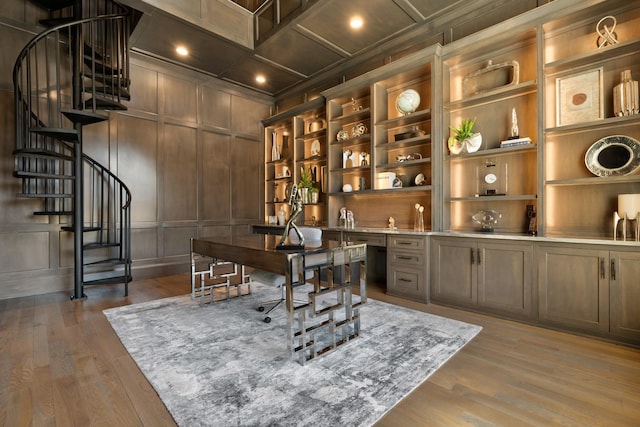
<point x="408" y="101"/>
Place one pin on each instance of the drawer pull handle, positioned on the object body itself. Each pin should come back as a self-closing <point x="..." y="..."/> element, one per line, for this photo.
<point x="407" y="258"/>
<point x="404" y="243"/>
<point x="613" y="269"/>
<point x="404" y="280"/>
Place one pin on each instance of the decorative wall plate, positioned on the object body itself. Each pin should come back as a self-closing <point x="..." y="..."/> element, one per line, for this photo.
<point x="613" y="155"/>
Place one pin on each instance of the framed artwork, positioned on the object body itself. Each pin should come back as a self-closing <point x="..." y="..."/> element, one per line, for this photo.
<point x="579" y="97"/>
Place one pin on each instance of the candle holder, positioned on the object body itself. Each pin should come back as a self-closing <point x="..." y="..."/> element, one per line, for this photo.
<point x="630" y="227"/>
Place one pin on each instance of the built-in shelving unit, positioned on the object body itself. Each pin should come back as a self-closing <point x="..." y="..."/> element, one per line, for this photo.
<point x="371" y="142"/>
<point x="578" y="203"/>
<point x="301" y="137"/>
<point x="504" y="87"/>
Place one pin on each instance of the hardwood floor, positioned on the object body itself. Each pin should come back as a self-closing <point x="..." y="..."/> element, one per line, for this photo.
<point x="61" y="364"/>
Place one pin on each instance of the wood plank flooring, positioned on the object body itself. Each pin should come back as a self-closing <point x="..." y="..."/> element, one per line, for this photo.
<point x="61" y="364"/>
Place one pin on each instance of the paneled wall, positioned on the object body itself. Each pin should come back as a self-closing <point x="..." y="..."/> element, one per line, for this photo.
<point x="189" y="148"/>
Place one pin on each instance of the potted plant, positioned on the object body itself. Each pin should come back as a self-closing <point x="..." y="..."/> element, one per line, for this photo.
<point x="464" y="138"/>
<point x="305" y="184"/>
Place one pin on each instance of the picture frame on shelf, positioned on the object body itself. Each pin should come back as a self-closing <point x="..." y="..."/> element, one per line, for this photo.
<point x="579" y="97"/>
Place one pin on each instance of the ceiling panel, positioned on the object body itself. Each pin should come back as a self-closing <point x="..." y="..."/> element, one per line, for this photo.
<point x="429" y="8"/>
<point x="329" y="20"/>
<point x="297" y="52"/>
<point x="244" y="72"/>
<point x="160" y="34"/>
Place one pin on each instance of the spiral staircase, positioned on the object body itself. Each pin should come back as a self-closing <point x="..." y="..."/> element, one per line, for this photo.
<point x="67" y="77"/>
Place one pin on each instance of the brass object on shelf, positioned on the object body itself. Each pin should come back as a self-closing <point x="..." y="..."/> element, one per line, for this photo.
<point x="491" y="77"/>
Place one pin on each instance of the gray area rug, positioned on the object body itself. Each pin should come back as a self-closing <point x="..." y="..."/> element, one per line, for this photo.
<point x="220" y="365"/>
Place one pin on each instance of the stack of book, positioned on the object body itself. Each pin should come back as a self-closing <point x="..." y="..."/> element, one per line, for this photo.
<point x="516" y="141"/>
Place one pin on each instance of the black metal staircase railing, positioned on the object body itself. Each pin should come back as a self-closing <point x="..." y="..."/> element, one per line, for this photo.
<point x="66" y="78"/>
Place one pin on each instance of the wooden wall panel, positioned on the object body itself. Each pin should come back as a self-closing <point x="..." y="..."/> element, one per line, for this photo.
<point x="215" y="108"/>
<point x="12" y="43"/>
<point x="216" y="178"/>
<point x="179" y="174"/>
<point x="215" y="231"/>
<point x="144" y="90"/>
<point x="246" y="116"/>
<point x="24" y="251"/>
<point x="144" y="243"/>
<point x="177" y="240"/>
<point x="246" y="179"/>
<point x="137" y="149"/>
<point x="177" y="98"/>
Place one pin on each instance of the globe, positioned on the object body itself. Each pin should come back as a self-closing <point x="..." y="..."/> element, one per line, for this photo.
<point x="408" y="101"/>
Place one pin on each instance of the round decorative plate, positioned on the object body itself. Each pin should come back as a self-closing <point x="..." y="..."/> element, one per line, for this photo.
<point x="408" y="101"/>
<point x="315" y="147"/>
<point x="419" y="179"/>
<point x="613" y="155"/>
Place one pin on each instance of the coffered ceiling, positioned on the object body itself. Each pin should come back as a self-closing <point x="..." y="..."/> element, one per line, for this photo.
<point x="317" y="41"/>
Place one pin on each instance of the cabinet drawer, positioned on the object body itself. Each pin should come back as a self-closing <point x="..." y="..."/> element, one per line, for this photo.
<point x="410" y="243"/>
<point x="371" y="239"/>
<point x="405" y="282"/>
<point x="332" y="235"/>
<point x="412" y="259"/>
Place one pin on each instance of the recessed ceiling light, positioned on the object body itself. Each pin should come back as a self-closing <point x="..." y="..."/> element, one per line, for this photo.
<point x="261" y="79"/>
<point x="356" y="22"/>
<point x="182" y="51"/>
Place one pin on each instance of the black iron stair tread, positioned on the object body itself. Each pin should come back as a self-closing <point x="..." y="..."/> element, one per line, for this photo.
<point x="52" y="5"/>
<point x="45" y="195"/>
<point x="109" y="280"/>
<point x="70" y="135"/>
<point x="84" y="229"/>
<point x="100" y="67"/>
<point x="54" y="22"/>
<point x="112" y="261"/>
<point x="104" y="104"/>
<point x="44" y="213"/>
<point x="27" y="174"/>
<point x="85" y="117"/>
<point x="112" y="91"/>
<point x="98" y="245"/>
<point x="107" y="80"/>
<point x="40" y="152"/>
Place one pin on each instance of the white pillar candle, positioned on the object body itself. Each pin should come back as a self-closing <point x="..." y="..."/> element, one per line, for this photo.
<point x="629" y="205"/>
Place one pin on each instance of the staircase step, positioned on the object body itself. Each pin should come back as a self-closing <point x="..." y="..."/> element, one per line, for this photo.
<point x="107" y="80"/>
<point x="26" y="174"/>
<point x="52" y="5"/>
<point x="45" y="195"/>
<point x="41" y="153"/>
<point x="110" y="261"/>
<point x="100" y="67"/>
<point x="109" y="280"/>
<point x="84" y="229"/>
<point x="114" y="91"/>
<point x="85" y="117"/>
<point x="54" y="22"/>
<point x="104" y="104"/>
<point x="64" y="134"/>
<point x="52" y="213"/>
<point x="98" y="245"/>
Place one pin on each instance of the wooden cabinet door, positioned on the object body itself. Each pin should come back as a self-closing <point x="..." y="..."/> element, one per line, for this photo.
<point x="453" y="273"/>
<point x="505" y="276"/>
<point x="625" y="294"/>
<point x="573" y="288"/>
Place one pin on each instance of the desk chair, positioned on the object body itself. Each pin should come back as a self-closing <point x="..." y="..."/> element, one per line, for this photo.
<point x="277" y="281"/>
<point x="312" y="237"/>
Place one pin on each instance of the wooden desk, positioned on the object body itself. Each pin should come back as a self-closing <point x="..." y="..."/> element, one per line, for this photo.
<point x="312" y="328"/>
